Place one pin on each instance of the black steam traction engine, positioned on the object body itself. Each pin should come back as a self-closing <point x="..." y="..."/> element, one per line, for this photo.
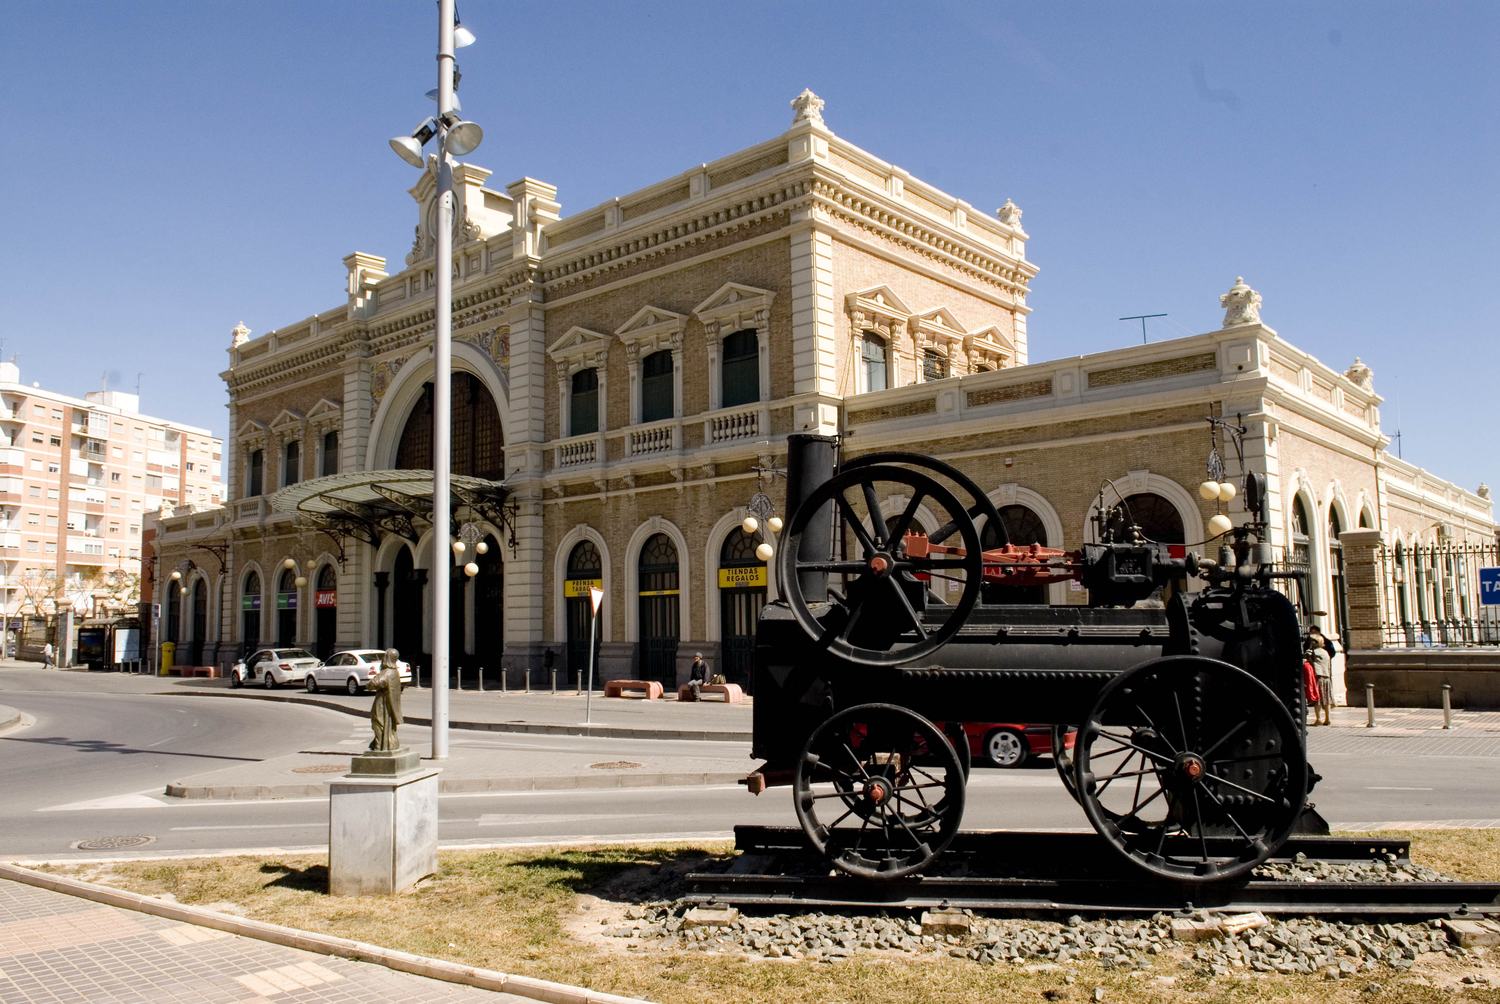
<point x="1186" y="707"/>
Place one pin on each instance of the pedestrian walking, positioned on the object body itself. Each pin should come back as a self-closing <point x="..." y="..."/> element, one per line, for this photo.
<point x="47" y="655"/>
<point x="1317" y="647"/>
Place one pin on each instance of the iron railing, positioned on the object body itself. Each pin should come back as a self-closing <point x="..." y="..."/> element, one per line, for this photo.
<point x="1432" y="595"/>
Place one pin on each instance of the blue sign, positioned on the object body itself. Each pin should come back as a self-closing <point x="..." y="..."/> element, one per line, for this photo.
<point x="1489" y="587"/>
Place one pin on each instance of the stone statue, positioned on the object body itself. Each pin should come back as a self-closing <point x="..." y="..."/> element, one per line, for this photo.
<point x="1241" y="304"/>
<point x="1361" y="375"/>
<point x="808" y="107"/>
<point x="1010" y="214"/>
<point x="385" y="713"/>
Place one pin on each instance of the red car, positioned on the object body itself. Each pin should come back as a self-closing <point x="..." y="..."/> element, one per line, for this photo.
<point x="1004" y="744"/>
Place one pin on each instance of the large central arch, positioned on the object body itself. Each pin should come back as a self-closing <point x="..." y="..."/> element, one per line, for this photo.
<point x="406" y="390"/>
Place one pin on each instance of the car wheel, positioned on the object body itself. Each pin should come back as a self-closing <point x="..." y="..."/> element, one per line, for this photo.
<point x="351" y="686"/>
<point x="269" y="680"/>
<point x="312" y="684"/>
<point x="236" y="680"/>
<point x="1005" y="748"/>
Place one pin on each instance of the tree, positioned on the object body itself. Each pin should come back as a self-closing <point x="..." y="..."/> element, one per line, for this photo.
<point x="41" y="591"/>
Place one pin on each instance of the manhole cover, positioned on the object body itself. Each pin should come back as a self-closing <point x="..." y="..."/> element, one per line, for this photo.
<point x="113" y="843"/>
<point x="323" y="768"/>
<point x="614" y="765"/>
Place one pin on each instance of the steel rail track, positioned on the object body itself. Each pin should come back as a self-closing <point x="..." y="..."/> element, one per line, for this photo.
<point x="1073" y="873"/>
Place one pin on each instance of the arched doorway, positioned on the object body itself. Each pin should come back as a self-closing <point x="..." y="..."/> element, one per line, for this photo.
<point x="1339" y="616"/>
<point x="1022" y="526"/>
<point x="408" y="583"/>
<point x="477" y="445"/>
<point x="1403" y="603"/>
<point x="657" y="603"/>
<point x="199" y="622"/>
<point x="173" y="633"/>
<point x="585" y="571"/>
<point x="326" y="603"/>
<point x="250" y="599"/>
<point x="286" y="608"/>
<point x="1157" y="517"/>
<point x="489" y="608"/>
<point x="742" y="594"/>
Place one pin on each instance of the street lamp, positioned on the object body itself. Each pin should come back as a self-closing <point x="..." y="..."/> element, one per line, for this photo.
<point x="456" y="137"/>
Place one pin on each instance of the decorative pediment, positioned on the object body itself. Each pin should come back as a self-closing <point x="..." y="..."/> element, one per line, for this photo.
<point x="252" y="434"/>
<point x="989" y="346"/>
<point x="878" y="306"/>
<point x="652" y="328"/>
<point x="579" y="349"/>
<point x="325" y="414"/>
<point x="288" y="420"/>
<point x="733" y="306"/>
<point x="938" y="326"/>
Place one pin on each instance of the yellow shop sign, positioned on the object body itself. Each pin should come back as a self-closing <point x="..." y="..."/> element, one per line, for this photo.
<point x="747" y="577"/>
<point x="579" y="588"/>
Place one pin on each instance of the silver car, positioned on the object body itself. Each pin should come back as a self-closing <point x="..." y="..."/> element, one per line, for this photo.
<point x="273" y="666"/>
<point x="352" y="669"/>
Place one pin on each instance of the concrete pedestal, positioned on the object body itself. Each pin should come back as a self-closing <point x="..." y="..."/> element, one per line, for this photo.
<point x="382" y="831"/>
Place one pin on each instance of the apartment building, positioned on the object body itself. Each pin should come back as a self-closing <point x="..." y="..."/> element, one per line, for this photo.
<point x="75" y="476"/>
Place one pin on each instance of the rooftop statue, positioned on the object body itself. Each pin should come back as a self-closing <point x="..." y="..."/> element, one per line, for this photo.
<point x="1241" y="304"/>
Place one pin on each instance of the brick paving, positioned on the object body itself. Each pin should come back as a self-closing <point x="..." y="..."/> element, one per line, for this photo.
<point x="56" y="948"/>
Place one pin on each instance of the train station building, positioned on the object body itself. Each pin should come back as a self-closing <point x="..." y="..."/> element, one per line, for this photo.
<point x="625" y="378"/>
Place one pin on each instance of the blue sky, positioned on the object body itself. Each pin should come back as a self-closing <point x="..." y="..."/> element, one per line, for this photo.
<point x="170" y="168"/>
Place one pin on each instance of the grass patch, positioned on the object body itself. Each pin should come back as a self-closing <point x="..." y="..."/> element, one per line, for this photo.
<point x="533" y="912"/>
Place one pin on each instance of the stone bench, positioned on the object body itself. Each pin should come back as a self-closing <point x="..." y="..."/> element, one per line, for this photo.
<point x="648" y="690"/>
<point x="729" y="693"/>
<point x="209" y="671"/>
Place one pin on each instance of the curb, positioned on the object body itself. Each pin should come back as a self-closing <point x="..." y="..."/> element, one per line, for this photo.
<point x="9" y="716"/>
<point x="323" y="944"/>
<point x="606" y="731"/>
<point x="563" y="782"/>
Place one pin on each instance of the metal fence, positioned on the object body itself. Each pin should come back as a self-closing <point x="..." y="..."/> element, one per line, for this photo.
<point x="1433" y="595"/>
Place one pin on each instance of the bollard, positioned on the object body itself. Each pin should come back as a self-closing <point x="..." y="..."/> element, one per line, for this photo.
<point x="481" y="679"/>
<point x="1369" y="705"/>
<point x="528" y="679"/>
<point x="1447" y="705"/>
<point x="417" y="675"/>
<point x="554" y="680"/>
<point x="458" y="675"/>
<point x="504" y="679"/>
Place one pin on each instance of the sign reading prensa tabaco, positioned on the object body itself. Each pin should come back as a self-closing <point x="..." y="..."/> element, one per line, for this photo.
<point x="579" y="588"/>
<point x="1489" y="586"/>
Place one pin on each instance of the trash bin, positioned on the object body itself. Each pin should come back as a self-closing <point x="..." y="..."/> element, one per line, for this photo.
<point x="168" y="655"/>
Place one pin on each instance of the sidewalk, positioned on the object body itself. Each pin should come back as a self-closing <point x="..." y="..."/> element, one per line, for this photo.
<point x="64" y="940"/>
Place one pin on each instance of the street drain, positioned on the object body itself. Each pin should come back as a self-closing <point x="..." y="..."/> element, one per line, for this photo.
<point x="113" y="843"/>
<point x="323" y="768"/>
<point x="614" y="765"/>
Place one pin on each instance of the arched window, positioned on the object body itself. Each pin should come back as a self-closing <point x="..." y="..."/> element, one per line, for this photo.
<point x="657" y="398"/>
<point x="1403" y="604"/>
<point x="1300" y="558"/>
<point x="657" y="603"/>
<point x="330" y="464"/>
<point x="255" y="479"/>
<point x="583" y="403"/>
<point x="740" y="368"/>
<point x="585" y="571"/>
<point x="291" y="464"/>
<point x="873" y="361"/>
<point x="934" y="365"/>
<point x="250" y="613"/>
<point x="1022" y="526"/>
<point x="326" y="603"/>
<point x="478" y="448"/>
<point x="1158" y="518"/>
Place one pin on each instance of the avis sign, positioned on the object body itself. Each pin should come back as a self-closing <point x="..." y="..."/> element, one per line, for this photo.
<point x="1489" y="587"/>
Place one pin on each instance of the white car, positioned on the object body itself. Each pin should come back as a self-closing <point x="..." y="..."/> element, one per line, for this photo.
<point x="352" y="669"/>
<point x="273" y="666"/>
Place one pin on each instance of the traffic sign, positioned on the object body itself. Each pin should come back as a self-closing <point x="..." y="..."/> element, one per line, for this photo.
<point x="1489" y="587"/>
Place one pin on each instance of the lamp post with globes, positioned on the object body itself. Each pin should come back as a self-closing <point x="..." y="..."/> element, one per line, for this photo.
<point x="454" y="137"/>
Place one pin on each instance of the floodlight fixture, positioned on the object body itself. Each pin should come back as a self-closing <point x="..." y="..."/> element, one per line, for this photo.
<point x="409" y="148"/>
<point x="463" y="137"/>
<point x="462" y="37"/>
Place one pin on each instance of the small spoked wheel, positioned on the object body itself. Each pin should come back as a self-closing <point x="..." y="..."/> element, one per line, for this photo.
<point x="879" y="791"/>
<point x="311" y="683"/>
<point x="269" y="680"/>
<point x="871" y="617"/>
<point x="351" y="686"/>
<point x="1191" y="768"/>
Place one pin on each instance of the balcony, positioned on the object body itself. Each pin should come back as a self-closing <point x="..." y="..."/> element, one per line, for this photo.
<point x="731" y="425"/>
<point x="578" y="451"/>
<point x="655" y="439"/>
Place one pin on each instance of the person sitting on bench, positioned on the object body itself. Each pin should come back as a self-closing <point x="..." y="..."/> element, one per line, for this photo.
<point x="698" y="674"/>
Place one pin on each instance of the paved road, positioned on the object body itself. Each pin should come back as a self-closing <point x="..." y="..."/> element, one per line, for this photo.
<point x="91" y="771"/>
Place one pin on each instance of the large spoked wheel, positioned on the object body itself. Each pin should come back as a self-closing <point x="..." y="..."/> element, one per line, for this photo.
<point x="980" y="506"/>
<point x="871" y="617"/>
<point x="879" y="791"/>
<point x="1191" y="768"/>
